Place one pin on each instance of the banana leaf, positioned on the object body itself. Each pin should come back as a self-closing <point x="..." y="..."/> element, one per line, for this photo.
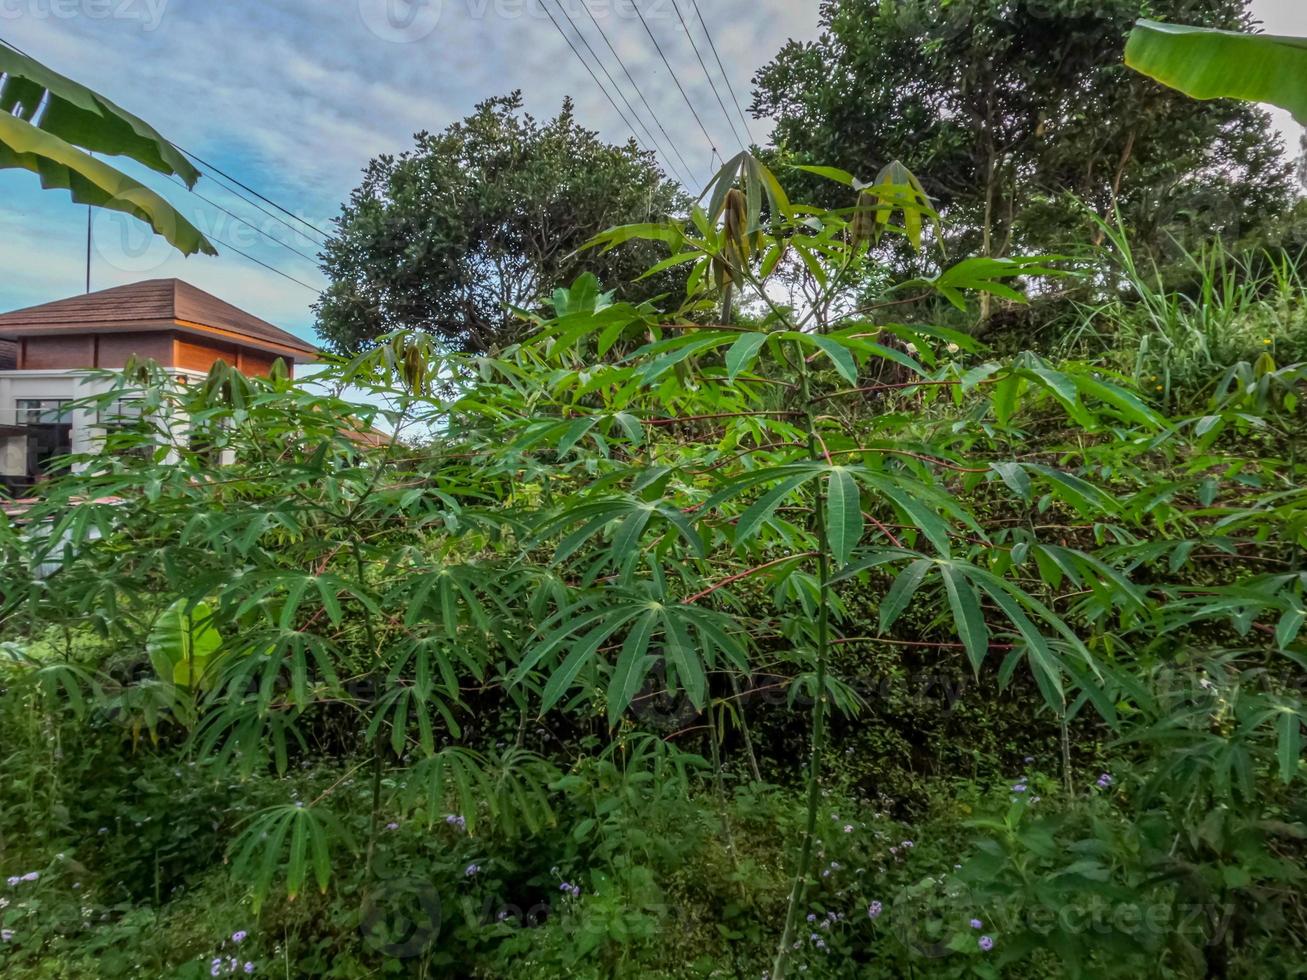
<point x="90" y="181"/>
<point x="1211" y="64"/>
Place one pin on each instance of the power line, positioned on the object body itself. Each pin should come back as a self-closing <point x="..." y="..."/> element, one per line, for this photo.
<point x="713" y="44"/>
<point x="653" y="115"/>
<point x="744" y="142"/>
<point x="693" y="111"/>
<point x="585" y="64"/>
<point x="266" y="200"/>
<point x="237" y="217"/>
<point x="621" y="94"/>
<point x="257" y="206"/>
<point x="270" y="268"/>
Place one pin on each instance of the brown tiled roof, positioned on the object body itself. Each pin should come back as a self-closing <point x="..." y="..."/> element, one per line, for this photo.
<point x="158" y="304"/>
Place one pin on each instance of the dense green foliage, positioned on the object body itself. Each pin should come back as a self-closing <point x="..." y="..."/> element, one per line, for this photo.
<point x="482" y="218"/>
<point x="646" y="648"/>
<point x="1023" y="121"/>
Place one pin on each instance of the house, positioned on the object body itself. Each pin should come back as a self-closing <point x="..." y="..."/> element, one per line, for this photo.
<point x="49" y="353"/>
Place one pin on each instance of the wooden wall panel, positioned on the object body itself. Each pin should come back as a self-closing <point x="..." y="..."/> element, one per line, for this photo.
<point x="113" y="350"/>
<point x="255" y="362"/>
<point x="57" y="353"/>
<point x="199" y="356"/>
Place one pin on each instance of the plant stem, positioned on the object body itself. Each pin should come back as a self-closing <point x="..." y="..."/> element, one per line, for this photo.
<point x="819" y="696"/>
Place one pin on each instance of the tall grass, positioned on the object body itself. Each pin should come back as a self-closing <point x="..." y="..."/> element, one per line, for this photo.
<point x="1177" y="331"/>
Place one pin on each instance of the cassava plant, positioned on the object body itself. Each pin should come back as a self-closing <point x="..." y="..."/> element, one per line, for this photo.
<point x="632" y="508"/>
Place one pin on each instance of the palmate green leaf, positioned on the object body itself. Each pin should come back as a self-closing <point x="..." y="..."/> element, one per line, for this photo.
<point x="968" y="617"/>
<point x="667" y="232"/>
<point x="60" y="165"/>
<point x="1007" y="393"/>
<point x="1016" y="478"/>
<point x="690" y="640"/>
<point x="1289" y="749"/>
<point x="742" y="353"/>
<point x="1212" y="64"/>
<point x="830" y="173"/>
<point x="1080" y="494"/>
<point x="581" y="656"/>
<point x="454" y="780"/>
<point x="843" y="515"/>
<point x="262" y="850"/>
<point x="901" y="592"/>
<point x="840" y="354"/>
<point x="633" y="665"/>
<point x="765" y="507"/>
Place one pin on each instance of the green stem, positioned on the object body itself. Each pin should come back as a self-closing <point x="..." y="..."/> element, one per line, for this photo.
<point x="819" y="698"/>
<point x="378" y="764"/>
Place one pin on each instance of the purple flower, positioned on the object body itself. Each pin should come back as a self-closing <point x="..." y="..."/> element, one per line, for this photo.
<point x="472" y="870"/>
<point x="239" y="936"/>
<point x="907" y="844"/>
<point x="454" y="820"/>
<point x="13" y="882"/>
<point x="565" y="886"/>
<point x="215" y="968"/>
<point x="392" y="826"/>
<point x="874" y="910"/>
<point x="812" y="916"/>
<point x="1019" y="788"/>
<point x="1029" y="759"/>
<point x="31" y="876"/>
<point x="986" y="943"/>
<point x="576" y="891"/>
<point x="977" y="924"/>
<point x="6" y="935"/>
<point x="249" y="967"/>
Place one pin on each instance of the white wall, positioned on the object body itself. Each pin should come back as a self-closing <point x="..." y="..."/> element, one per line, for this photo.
<point x="73" y="385"/>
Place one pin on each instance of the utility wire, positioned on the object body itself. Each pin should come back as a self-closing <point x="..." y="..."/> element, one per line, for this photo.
<point x="237" y="217"/>
<point x="713" y="44"/>
<point x="744" y="141"/>
<point x="270" y="268"/>
<point x="618" y="88"/>
<point x="586" y="65"/>
<point x="266" y="200"/>
<point x="653" y="115"/>
<point x="259" y="207"/>
<point x="662" y="54"/>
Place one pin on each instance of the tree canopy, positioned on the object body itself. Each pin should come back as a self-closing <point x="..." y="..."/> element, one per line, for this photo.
<point x="483" y="217"/>
<point x="1013" y="113"/>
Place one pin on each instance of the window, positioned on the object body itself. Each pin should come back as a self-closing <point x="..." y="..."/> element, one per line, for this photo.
<point x="49" y="433"/>
<point x="43" y="411"/>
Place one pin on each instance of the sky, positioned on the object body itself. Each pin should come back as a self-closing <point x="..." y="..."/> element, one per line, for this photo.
<point x="294" y="97"/>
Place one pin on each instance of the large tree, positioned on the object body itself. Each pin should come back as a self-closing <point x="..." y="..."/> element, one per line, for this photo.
<point x="485" y="216"/>
<point x="1014" y="111"/>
